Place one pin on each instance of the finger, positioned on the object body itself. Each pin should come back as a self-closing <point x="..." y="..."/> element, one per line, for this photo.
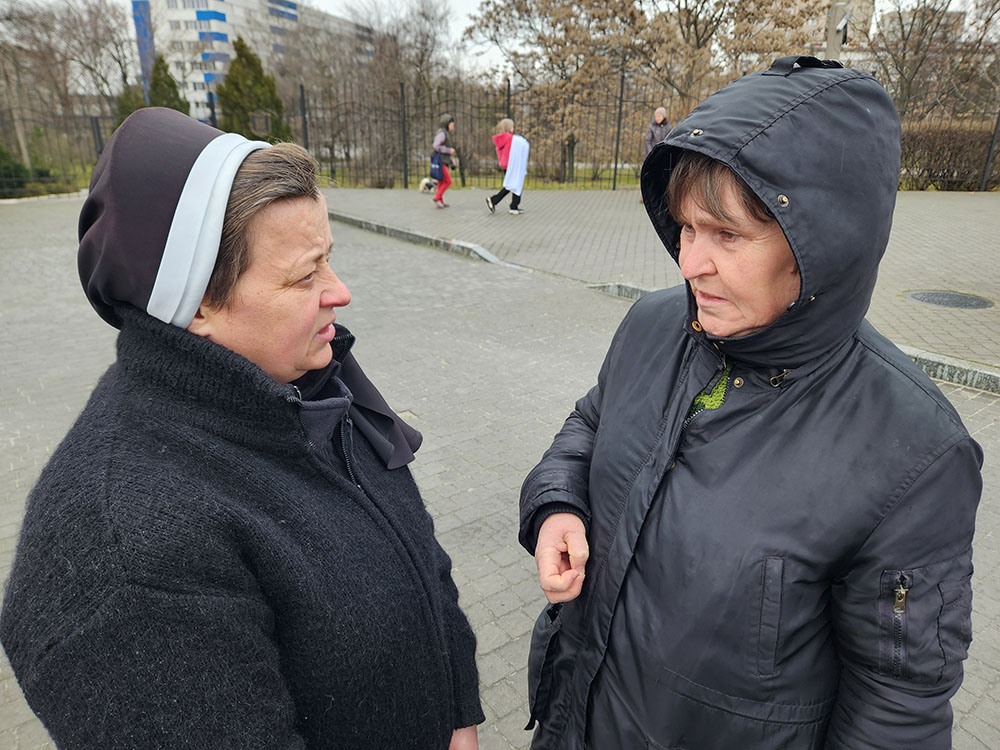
<point x="560" y="582"/>
<point x="550" y="561"/>
<point x="571" y="593"/>
<point x="579" y="550"/>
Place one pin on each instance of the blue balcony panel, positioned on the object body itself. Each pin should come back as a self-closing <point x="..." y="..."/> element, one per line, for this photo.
<point x="212" y="36"/>
<point x="210" y="15"/>
<point x="218" y="56"/>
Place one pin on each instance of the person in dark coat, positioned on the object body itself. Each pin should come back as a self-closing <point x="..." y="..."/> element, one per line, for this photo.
<point x="228" y="550"/>
<point x="656" y="132"/>
<point x="755" y="531"/>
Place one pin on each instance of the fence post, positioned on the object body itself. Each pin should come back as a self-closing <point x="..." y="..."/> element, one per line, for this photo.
<point x="402" y="122"/>
<point x="988" y="167"/>
<point x="305" y="119"/>
<point x="508" y="100"/>
<point x="618" y="135"/>
<point x="95" y="128"/>
<point x="211" y="110"/>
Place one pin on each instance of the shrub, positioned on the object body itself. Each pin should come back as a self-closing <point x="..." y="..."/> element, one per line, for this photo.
<point x="946" y="156"/>
<point x="13" y="175"/>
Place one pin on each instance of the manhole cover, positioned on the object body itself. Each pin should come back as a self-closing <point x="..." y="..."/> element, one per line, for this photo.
<point x="950" y="299"/>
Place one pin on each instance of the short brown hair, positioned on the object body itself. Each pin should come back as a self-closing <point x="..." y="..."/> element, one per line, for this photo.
<point x="272" y="174"/>
<point x="703" y="179"/>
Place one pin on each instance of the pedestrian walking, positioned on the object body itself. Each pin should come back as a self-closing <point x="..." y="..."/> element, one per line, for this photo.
<point x="755" y="530"/>
<point x="228" y="550"/>
<point x="503" y="141"/>
<point x="444" y="152"/>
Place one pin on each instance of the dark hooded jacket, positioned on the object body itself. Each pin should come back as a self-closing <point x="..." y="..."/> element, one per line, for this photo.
<point x="791" y="569"/>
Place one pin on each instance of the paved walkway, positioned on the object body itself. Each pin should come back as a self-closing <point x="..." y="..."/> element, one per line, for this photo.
<point x="940" y="241"/>
<point x="486" y="361"/>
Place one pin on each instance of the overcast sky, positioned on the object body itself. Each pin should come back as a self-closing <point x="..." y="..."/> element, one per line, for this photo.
<point x="461" y="10"/>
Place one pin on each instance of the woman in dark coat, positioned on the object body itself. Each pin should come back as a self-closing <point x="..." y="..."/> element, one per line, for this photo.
<point x="755" y="530"/>
<point x="227" y="549"/>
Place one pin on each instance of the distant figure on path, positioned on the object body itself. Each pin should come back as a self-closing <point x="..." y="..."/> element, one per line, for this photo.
<point x="755" y="530"/>
<point x="445" y="151"/>
<point x="502" y="141"/>
<point x="656" y="132"/>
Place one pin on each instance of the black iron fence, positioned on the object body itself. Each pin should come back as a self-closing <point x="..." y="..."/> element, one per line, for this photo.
<point x="366" y="138"/>
<point x="44" y="152"/>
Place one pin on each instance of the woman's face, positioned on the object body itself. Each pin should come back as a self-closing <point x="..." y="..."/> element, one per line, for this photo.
<point x="451" y="126"/>
<point x="742" y="272"/>
<point x="282" y="313"/>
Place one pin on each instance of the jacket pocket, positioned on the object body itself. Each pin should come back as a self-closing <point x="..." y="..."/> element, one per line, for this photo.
<point x="544" y="641"/>
<point x="925" y="621"/>
<point x="772" y="571"/>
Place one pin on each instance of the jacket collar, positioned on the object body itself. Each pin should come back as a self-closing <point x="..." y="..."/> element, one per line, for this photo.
<point x="177" y="375"/>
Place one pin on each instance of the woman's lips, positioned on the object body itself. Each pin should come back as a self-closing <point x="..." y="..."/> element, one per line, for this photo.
<point x="704" y="298"/>
<point x="326" y="333"/>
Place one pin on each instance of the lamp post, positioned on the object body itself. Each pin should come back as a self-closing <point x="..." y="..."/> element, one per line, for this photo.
<point x="836" y="29"/>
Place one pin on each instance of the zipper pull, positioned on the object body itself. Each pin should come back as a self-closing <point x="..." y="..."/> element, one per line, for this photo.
<point x="899" y="601"/>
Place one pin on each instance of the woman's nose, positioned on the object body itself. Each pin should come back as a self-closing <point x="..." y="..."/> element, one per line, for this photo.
<point x="695" y="258"/>
<point x="336" y="293"/>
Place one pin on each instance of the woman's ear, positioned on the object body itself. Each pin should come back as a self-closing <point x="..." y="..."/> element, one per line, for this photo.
<point x="204" y="320"/>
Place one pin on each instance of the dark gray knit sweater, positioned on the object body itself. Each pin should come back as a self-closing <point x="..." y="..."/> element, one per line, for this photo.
<point x="196" y="569"/>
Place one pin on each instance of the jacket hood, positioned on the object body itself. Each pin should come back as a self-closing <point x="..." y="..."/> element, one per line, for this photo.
<point x="819" y="145"/>
<point x="445" y="120"/>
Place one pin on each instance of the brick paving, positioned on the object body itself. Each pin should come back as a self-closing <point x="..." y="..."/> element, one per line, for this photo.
<point x="485" y="360"/>
<point x="940" y="241"/>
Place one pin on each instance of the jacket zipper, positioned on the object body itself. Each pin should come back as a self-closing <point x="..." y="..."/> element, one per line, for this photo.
<point x="898" y="614"/>
<point x="711" y="384"/>
<point x="345" y="449"/>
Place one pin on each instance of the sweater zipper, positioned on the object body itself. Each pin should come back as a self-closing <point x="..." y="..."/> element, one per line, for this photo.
<point x="345" y="423"/>
<point x="898" y="620"/>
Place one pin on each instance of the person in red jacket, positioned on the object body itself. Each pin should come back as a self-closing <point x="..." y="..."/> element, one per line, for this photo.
<point x="502" y="142"/>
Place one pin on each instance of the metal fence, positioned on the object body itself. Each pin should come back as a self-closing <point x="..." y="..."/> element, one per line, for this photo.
<point x="363" y="138"/>
<point x="44" y="152"/>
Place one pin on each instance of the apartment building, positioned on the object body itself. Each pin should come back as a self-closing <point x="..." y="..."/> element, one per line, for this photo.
<point x="196" y="38"/>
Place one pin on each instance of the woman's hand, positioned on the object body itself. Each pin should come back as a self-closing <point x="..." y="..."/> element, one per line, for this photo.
<point x="466" y="738"/>
<point x="561" y="556"/>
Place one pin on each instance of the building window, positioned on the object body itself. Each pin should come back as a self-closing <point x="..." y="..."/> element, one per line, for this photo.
<point x="196" y="4"/>
<point x="200" y="25"/>
<point x="175" y="25"/>
<point x="171" y="3"/>
<point x="199" y="85"/>
<point x="178" y="65"/>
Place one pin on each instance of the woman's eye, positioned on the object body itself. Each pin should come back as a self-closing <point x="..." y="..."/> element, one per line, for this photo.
<point x="728" y="236"/>
<point x="307" y="279"/>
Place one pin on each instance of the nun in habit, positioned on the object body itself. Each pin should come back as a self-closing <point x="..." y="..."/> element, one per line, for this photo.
<point x="228" y="550"/>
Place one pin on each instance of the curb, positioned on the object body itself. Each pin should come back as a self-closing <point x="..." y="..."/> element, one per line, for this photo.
<point x="467" y="249"/>
<point x="958" y="371"/>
